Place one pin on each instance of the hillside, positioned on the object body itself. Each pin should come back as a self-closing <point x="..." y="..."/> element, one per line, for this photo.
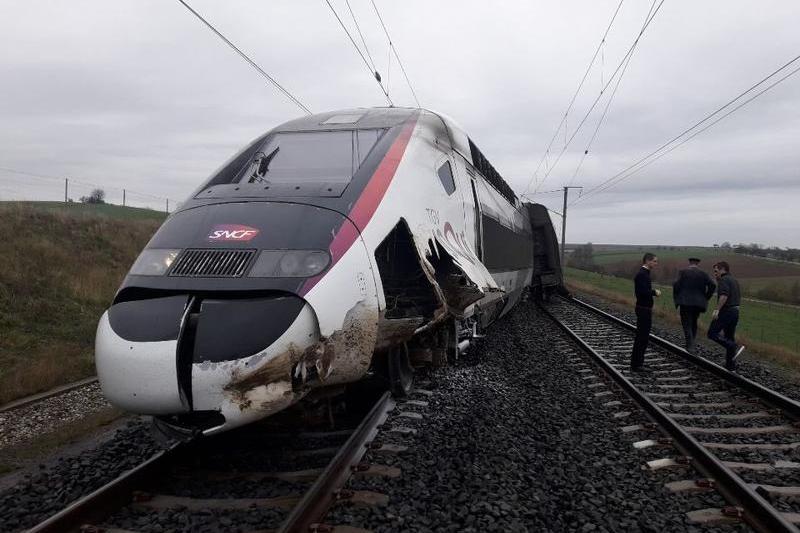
<point x="59" y="269"/>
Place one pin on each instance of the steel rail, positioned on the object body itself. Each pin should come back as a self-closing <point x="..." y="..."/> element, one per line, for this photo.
<point x="95" y="506"/>
<point x="55" y="391"/>
<point x="757" y="512"/>
<point x="775" y="399"/>
<point x="322" y="494"/>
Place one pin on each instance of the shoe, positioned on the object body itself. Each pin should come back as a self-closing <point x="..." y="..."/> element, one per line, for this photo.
<point x="641" y="369"/>
<point x="731" y="367"/>
<point x="739" y="351"/>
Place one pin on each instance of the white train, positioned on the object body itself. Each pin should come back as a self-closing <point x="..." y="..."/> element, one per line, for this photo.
<point x="334" y="245"/>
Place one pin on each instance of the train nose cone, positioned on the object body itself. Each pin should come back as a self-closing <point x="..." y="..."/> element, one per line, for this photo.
<point x="248" y="357"/>
<point x="135" y="351"/>
<point x="180" y="355"/>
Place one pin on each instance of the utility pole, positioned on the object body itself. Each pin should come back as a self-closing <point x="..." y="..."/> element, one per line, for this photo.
<point x="564" y="223"/>
<point x="123" y="197"/>
<point x="167" y="210"/>
<point x="66" y="190"/>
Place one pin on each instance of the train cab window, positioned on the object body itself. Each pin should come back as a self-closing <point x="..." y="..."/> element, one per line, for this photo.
<point x="303" y="156"/>
<point x="445" y="173"/>
<point x="306" y="161"/>
<point x="366" y="139"/>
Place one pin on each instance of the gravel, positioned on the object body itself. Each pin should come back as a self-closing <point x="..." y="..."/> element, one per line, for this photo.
<point x="26" y="423"/>
<point x="46" y="492"/>
<point x="515" y="440"/>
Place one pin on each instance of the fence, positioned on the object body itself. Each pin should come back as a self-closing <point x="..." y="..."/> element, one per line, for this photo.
<point x="18" y="185"/>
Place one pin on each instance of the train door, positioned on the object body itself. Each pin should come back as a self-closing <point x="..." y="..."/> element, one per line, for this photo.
<point x="471" y="209"/>
<point x="478" y="219"/>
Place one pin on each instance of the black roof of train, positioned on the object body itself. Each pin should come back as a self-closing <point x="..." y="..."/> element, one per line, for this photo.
<point x="360" y="118"/>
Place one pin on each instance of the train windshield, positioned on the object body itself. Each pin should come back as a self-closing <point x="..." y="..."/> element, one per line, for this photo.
<point x="305" y="161"/>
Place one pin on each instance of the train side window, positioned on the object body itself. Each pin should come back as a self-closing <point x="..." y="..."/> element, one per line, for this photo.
<point x="445" y="173"/>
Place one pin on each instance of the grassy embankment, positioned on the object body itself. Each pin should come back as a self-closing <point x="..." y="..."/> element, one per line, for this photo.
<point x="771" y="331"/>
<point x="59" y="269"/>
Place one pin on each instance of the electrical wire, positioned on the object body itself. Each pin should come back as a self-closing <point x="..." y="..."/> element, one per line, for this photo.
<point x="670" y="145"/>
<point x="611" y="79"/>
<point x="396" y="55"/>
<point x="244" y="56"/>
<point x="373" y="73"/>
<point x="600" y="121"/>
<point x="78" y="182"/>
<point x="575" y="96"/>
<point x="363" y="41"/>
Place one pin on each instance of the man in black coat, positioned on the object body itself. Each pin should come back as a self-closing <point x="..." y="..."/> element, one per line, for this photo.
<point x="691" y="293"/>
<point x="643" y="288"/>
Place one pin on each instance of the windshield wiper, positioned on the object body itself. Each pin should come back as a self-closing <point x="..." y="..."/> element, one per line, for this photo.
<point x="260" y="165"/>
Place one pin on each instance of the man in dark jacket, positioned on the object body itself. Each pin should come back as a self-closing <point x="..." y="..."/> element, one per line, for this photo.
<point x="691" y="293"/>
<point x="726" y="316"/>
<point x="644" y="310"/>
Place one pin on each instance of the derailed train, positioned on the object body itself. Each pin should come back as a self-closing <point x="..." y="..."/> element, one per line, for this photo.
<point x="333" y="246"/>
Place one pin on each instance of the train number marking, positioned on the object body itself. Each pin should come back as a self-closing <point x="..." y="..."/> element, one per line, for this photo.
<point x="362" y="283"/>
<point x="433" y="216"/>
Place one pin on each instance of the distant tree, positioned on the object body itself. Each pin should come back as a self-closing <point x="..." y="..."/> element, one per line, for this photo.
<point x="582" y="257"/>
<point x="725" y="245"/>
<point x="97" y="196"/>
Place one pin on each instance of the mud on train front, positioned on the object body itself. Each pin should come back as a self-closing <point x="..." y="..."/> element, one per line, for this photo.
<point x="258" y="290"/>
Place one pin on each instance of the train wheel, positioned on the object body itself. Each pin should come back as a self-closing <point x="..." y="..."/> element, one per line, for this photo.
<point x="401" y="373"/>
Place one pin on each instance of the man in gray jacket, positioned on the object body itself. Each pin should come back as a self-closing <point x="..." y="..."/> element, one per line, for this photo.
<point x="691" y="293"/>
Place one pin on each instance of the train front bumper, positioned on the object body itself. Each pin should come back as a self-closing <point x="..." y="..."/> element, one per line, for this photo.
<point x="147" y="377"/>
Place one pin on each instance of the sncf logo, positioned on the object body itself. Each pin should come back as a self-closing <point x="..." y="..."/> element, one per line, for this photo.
<point x="232" y="232"/>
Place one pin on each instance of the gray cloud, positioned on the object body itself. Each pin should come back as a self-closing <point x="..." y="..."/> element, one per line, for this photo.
<point x="139" y="94"/>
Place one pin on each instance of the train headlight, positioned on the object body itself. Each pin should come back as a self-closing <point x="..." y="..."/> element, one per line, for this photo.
<point x="154" y="262"/>
<point x="290" y="263"/>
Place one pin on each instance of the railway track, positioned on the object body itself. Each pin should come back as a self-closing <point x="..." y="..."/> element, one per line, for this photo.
<point x="56" y="391"/>
<point x="250" y="480"/>
<point x="743" y="437"/>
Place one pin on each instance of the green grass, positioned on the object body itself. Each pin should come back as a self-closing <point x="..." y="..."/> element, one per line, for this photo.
<point x="59" y="270"/>
<point x="605" y="256"/>
<point x="742" y="265"/>
<point x="760" y="323"/>
<point x="91" y="210"/>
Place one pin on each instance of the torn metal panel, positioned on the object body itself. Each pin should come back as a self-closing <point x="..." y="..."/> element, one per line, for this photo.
<point x="395" y="331"/>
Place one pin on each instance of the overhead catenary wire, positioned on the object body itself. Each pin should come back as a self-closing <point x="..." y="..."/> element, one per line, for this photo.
<point x="244" y="56"/>
<point x="79" y="182"/>
<point x="396" y="55"/>
<point x="690" y="133"/>
<point x="575" y="96"/>
<point x="604" y="114"/>
<point x="373" y="73"/>
<point x="611" y="79"/>
<point x="360" y="34"/>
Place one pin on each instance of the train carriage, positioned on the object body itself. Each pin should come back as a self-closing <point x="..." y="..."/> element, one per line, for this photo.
<point x="334" y="245"/>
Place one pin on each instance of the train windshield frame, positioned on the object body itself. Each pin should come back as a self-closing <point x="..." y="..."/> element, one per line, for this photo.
<point x="295" y="163"/>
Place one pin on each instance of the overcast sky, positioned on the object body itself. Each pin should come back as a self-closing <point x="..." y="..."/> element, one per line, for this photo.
<point x="139" y="94"/>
